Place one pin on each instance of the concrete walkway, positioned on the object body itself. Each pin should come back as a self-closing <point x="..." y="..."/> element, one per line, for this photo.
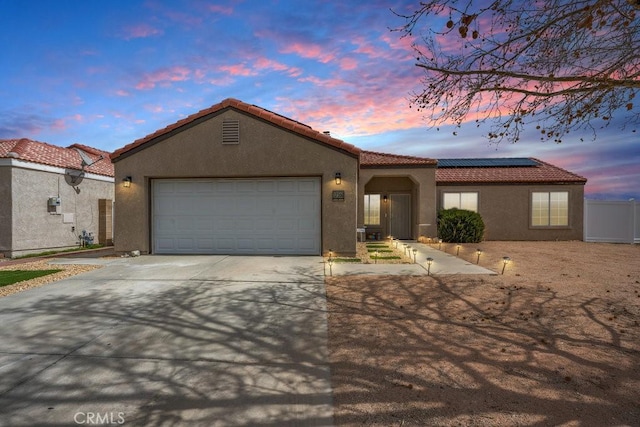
<point x="170" y="341"/>
<point x="443" y="263"/>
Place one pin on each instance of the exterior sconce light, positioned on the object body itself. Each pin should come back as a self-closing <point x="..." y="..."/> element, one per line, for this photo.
<point x="126" y="182"/>
<point x="429" y="262"/>
<point x="478" y="252"/>
<point x="384" y="199"/>
<point x="457" y="250"/>
<point x="505" y="260"/>
<point x="338" y="178"/>
<point x="415" y="252"/>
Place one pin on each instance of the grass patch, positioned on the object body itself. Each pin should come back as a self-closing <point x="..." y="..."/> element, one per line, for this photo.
<point x="347" y="260"/>
<point x="386" y="257"/>
<point x="9" y="277"/>
<point x="88" y="247"/>
<point x="379" y="250"/>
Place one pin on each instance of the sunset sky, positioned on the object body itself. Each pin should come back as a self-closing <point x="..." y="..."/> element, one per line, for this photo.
<point x="105" y="73"/>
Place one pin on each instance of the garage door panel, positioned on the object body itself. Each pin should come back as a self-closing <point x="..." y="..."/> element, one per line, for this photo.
<point x="255" y="216"/>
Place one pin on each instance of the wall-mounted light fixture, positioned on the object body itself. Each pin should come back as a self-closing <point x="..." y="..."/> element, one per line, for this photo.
<point x="338" y="178"/>
<point x="126" y="182"/>
<point x="384" y="199"/>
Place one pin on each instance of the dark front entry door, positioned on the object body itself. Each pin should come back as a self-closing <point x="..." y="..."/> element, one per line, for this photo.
<point x="400" y="213"/>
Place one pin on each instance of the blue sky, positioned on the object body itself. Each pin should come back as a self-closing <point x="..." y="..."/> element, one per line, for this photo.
<point x="107" y="73"/>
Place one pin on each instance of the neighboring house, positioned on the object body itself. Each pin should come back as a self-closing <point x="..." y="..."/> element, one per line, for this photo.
<point x="50" y="194"/>
<point x="239" y="179"/>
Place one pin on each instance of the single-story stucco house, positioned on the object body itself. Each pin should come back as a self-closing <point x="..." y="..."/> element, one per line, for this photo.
<point x="50" y="194"/>
<point x="239" y="179"/>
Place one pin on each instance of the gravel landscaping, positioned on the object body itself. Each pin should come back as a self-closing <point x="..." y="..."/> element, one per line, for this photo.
<point x="553" y="341"/>
<point x="67" y="271"/>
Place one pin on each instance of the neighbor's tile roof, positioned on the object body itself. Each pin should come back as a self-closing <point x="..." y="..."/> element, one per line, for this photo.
<point x="53" y="155"/>
<point x="254" y="110"/>
<point x="373" y="159"/>
<point x="542" y="172"/>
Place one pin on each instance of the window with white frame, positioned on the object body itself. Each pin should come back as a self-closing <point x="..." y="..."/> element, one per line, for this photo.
<point x="463" y="200"/>
<point x="549" y="208"/>
<point x="372" y="209"/>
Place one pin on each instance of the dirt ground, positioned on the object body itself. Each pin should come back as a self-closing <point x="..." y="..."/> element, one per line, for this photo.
<point x="555" y="341"/>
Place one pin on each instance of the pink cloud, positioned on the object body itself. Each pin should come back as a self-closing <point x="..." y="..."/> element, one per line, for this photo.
<point x="325" y="83"/>
<point x="348" y="64"/>
<point x="237" y="70"/>
<point x="224" y="10"/>
<point x="163" y="76"/>
<point x="154" y="108"/>
<point x="309" y="50"/>
<point x="269" y="64"/>
<point x="140" y="31"/>
<point x="122" y="92"/>
<point x="365" y="47"/>
<point x="59" y="125"/>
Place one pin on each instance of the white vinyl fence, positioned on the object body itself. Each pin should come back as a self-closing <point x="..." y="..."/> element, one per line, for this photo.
<point x="611" y="221"/>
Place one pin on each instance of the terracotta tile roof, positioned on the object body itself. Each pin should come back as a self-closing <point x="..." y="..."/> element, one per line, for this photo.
<point x="53" y="155"/>
<point x="373" y="159"/>
<point x="541" y="173"/>
<point x="253" y="110"/>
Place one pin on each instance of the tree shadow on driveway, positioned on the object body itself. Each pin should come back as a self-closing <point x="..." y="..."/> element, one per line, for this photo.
<point x="167" y="353"/>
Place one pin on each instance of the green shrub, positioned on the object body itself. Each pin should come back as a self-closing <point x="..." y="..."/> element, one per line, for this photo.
<point x="460" y="226"/>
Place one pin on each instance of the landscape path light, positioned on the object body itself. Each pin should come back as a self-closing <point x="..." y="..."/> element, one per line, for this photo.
<point x="415" y="252"/>
<point x="505" y="261"/>
<point x="457" y="250"/>
<point x="330" y="262"/>
<point x="439" y="244"/>
<point x="429" y="262"/>
<point x="375" y="255"/>
<point x="478" y="252"/>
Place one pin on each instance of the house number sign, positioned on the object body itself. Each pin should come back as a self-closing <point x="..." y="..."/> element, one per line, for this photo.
<point x="337" y="195"/>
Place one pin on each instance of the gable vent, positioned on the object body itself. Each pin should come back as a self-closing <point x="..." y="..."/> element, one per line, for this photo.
<point x="231" y="131"/>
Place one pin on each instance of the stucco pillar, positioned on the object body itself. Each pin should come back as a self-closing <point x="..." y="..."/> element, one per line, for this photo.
<point x="105" y="222"/>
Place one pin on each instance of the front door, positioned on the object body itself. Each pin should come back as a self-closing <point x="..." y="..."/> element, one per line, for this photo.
<point x="400" y="215"/>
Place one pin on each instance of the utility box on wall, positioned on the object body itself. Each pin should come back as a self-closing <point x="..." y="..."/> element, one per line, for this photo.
<point x="53" y="205"/>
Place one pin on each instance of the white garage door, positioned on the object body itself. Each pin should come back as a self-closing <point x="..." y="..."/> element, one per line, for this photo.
<point x="236" y="216"/>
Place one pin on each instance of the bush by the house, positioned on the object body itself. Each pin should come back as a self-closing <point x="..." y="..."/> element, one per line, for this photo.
<point x="460" y="226"/>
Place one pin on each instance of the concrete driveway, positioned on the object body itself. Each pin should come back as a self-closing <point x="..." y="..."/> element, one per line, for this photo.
<point x="170" y="341"/>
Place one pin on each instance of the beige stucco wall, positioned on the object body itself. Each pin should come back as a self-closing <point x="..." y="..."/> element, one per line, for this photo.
<point x="506" y="211"/>
<point x="5" y="209"/>
<point x="36" y="227"/>
<point x="265" y="150"/>
<point x="419" y="182"/>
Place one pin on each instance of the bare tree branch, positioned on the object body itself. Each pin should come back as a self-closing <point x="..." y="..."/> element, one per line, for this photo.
<point x="563" y="65"/>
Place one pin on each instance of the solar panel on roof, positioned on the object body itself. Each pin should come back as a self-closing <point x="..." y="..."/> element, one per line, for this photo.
<point x="487" y="163"/>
